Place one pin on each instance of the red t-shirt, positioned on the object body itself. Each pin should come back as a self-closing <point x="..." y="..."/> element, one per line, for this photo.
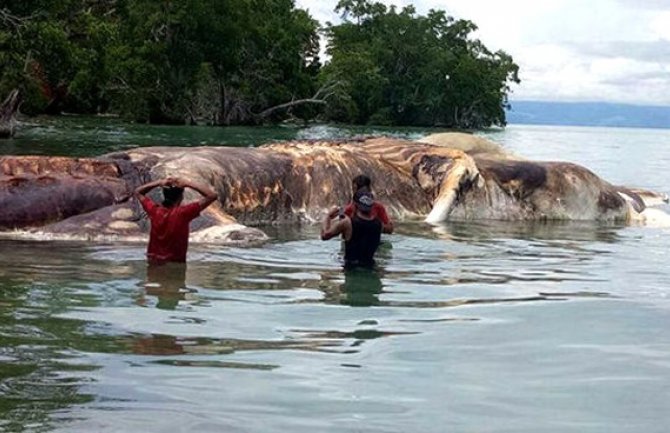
<point x="378" y="211"/>
<point x="168" y="240"/>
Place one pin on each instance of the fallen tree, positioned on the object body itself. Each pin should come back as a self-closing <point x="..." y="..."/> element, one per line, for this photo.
<point x="8" y="111"/>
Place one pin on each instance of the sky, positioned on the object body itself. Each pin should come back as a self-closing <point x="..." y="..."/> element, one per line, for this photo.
<point x="567" y="50"/>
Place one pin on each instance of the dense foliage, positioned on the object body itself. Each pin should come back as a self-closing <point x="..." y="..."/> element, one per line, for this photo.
<point x="248" y="61"/>
<point x="165" y="61"/>
<point x="405" y="69"/>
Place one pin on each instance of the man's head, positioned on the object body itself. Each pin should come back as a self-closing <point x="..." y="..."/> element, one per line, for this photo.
<point x="172" y="196"/>
<point x="361" y="181"/>
<point x="364" y="201"/>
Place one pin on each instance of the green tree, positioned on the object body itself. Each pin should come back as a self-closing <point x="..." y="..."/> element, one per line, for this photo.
<point x="53" y="51"/>
<point x="402" y="68"/>
<point x="249" y="61"/>
<point x="223" y="62"/>
<point x="245" y="55"/>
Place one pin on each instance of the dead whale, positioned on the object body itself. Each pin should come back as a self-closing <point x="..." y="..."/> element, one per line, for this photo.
<point x="294" y="182"/>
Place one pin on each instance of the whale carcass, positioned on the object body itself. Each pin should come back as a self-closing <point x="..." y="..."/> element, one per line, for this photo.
<point x="452" y="176"/>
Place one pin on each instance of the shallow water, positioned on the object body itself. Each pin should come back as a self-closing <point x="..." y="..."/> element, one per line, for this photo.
<point x="477" y="327"/>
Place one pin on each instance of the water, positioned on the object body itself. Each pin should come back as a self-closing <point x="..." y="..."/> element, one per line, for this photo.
<point x="89" y="136"/>
<point x="477" y="327"/>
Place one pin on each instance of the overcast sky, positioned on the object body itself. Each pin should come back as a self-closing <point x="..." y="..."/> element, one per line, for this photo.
<point x="567" y="50"/>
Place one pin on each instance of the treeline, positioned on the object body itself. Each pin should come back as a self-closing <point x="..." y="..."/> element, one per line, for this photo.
<point x="230" y="62"/>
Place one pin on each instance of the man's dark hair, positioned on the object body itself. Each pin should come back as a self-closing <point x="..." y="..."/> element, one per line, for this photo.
<point x="172" y="195"/>
<point x="362" y="181"/>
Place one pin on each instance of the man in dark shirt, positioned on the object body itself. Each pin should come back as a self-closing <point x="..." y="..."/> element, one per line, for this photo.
<point x="168" y="239"/>
<point x="364" y="183"/>
<point x="361" y="232"/>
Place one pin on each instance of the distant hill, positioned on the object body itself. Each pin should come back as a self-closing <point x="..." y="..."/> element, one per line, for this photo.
<point x="588" y="114"/>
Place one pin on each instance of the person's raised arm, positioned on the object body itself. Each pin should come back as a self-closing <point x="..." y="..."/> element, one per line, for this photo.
<point x="329" y="229"/>
<point x="142" y="190"/>
<point x="209" y="196"/>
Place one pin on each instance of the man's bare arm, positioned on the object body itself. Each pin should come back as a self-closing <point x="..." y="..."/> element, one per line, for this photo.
<point x="142" y="190"/>
<point x="328" y="229"/>
<point x="209" y="196"/>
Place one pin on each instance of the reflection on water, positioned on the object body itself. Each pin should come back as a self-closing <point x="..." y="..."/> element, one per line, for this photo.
<point x="167" y="282"/>
<point x="93" y="328"/>
<point x="541" y="230"/>
<point x="361" y="287"/>
<point x="358" y="287"/>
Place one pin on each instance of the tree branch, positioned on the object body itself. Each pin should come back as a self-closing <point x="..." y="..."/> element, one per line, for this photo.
<point x="320" y="97"/>
<point x="10" y="20"/>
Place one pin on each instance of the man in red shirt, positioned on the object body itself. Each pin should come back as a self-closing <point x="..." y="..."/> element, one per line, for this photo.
<point x="364" y="183"/>
<point x="168" y="239"/>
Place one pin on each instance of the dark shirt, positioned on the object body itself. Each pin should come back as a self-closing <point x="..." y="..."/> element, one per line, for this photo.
<point x="365" y="237"/>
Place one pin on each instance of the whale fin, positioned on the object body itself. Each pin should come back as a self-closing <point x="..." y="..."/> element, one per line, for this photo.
<point x="462" y="174"/>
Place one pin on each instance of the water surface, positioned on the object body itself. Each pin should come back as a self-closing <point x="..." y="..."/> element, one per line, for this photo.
<point x="468" y="327"/>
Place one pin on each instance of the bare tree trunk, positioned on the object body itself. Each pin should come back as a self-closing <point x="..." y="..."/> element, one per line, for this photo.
<point x="8" y="111"/>
<point x="233" y="109"/>
<point x="320" y="97"/>
<point x="289" y="104"/>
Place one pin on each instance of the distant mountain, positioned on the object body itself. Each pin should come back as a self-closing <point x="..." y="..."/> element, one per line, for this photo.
<point x="588" y="114"/>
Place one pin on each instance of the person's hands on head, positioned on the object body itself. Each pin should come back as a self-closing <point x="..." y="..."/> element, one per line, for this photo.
<point x="179" y="182"/>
